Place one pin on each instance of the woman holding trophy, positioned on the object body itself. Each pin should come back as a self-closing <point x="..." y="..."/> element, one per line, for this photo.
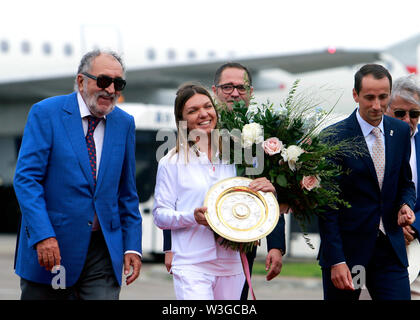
<point x="202" y="269"/>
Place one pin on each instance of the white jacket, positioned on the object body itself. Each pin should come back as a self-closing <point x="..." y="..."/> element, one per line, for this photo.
<point x="181" y="187"/>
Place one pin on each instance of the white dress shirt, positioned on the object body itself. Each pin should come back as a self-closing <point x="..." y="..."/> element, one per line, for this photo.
<point x="98" y="137"/>
<point x="367" y="131"/>
<point x="370" y="140"/>
<point x="98" y="134"/>
<point x="182" y="182"/>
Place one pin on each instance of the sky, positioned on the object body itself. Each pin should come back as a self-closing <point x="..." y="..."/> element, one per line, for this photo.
<point x="246" y="26"/>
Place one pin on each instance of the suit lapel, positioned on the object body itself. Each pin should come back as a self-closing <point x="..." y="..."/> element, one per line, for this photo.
<point x="389" y="145"/>
<point x="111" y="131"/>
<point x="72" y="124"/>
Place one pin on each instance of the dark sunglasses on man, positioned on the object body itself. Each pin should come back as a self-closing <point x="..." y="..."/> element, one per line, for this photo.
<point x="103" y="81"/>
<point x="412" y="113"/>
<point x="228" y="88"/>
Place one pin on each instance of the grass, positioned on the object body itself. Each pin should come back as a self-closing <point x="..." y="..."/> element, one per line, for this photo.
<point x="292" y="269"/>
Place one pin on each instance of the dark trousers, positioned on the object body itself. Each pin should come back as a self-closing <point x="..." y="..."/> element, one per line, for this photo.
<point x="250" y="257"/>
<point x="386" y="277"/>
<point x="96" y="282"/>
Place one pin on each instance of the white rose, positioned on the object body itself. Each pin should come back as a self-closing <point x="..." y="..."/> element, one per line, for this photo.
<point x="291" y="155"/>
<point x="252" y="133"/>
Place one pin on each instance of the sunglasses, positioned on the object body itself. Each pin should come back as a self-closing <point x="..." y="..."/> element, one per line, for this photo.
<point x="103" y="81"/>
<point x="401" y="113"/>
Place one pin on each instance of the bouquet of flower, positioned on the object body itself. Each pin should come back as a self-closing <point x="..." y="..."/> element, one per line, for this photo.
<point x="295" y="151"/>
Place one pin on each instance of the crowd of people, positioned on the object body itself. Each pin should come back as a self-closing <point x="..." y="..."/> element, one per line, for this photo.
<point x="75" y="184"/>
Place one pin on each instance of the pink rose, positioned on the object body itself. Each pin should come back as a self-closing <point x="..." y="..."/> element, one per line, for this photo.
<point x="272" y="146"/>
<point x="310" y="182"/>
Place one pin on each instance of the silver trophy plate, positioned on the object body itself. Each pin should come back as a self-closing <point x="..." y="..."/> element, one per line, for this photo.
<point x="239" y="214"/>
<point x="413" y="255"/>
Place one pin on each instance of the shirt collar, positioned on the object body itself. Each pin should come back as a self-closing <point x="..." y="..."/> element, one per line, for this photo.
<point x="415" y="131"/>
<point x="367" y="127"/>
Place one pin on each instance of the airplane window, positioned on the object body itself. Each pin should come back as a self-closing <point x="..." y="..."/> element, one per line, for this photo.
<point x="191" y="54"/>
<point x="26" y="47"/>
<point x="151" y="54"/>
<point x="4" y="46"/>
<point x="211" y="54"/>
<point x="46" y="48"/>
<point x="171" y="54"/>
<point x="68" y="49"/>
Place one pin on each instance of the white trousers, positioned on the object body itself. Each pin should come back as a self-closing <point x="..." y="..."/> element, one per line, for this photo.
<point x="192" y="285"/>
<point x="415" y="289"/>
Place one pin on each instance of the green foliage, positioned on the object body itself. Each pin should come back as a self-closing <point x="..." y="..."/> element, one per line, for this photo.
<point x="310" y="269"/>
<point x="296" y="124"/>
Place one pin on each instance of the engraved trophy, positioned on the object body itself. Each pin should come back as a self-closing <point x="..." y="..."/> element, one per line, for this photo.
<point x="239" y="214"/>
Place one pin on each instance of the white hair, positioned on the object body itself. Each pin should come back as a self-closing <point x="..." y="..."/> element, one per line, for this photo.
<point x="86" y="62"/>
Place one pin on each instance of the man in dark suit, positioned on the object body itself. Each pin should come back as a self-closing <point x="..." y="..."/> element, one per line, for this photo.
<point x="405" y="105"/>
<point x="75" y="183"/>
<point x="233" y="82"/>
<point x="367" y="239"/>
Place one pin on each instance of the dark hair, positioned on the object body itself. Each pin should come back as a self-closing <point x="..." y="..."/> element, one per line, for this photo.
<point x="376" y="70"/>
<point x="235" y="65"/>
<point x="184" y="93"/>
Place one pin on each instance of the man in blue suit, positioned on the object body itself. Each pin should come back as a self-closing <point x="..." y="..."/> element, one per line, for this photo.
<point x="367" y="239"/>
<point x="75" y="183"/>
<point x="405" y="105"/>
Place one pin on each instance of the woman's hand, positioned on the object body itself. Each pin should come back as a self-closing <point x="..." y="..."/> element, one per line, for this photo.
<point x="262" y="184"/>
<point x="199" y="216"/>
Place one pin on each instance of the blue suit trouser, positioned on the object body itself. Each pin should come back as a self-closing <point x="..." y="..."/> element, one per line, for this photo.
<point x="386" y="277"/>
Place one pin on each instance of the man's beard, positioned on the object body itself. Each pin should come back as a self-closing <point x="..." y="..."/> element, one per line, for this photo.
<point x="92" y="101"/>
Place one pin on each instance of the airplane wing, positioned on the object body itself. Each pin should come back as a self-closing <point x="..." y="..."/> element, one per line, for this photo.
<point x="143" y="83"/>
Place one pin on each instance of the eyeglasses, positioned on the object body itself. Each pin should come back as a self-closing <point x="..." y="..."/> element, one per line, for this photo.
<point x="103" y="81"/>
<point x="228" y="88"/>
<point x="401" y="113"/>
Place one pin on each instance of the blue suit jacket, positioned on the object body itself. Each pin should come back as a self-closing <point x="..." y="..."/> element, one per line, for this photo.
<point x="416" y="210"/>
<point x="54" y="187"/>
<point x="349" y="234"/>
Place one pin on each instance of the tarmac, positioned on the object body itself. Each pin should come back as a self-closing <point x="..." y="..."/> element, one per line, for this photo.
<point x="155" y="283"/>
